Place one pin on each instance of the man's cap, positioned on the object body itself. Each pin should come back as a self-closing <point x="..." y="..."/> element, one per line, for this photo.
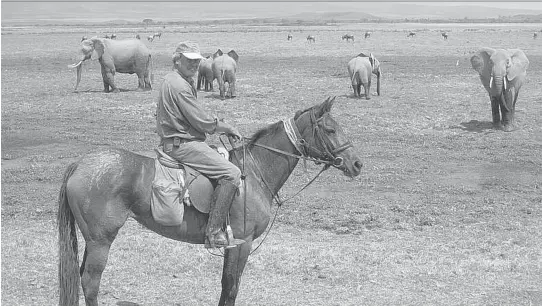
<point x="189" y="49"/>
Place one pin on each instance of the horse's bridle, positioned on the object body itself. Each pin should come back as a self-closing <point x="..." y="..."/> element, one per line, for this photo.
<point x="327" y="156"/>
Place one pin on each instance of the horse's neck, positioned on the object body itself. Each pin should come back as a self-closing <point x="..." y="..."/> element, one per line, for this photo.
<point x="274" y="168"/>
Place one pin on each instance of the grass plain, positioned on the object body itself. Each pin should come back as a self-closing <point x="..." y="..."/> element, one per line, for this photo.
<point x="447" y="210"/>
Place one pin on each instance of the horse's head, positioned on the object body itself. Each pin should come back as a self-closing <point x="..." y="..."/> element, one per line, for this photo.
<point x="325" y="140"/>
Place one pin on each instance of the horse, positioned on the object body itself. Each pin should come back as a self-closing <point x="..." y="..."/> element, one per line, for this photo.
<point x="311" y="38"/>
<point x="102" y="189"/>
<point x="348" y="37"/>
<point x="367" y="34"/>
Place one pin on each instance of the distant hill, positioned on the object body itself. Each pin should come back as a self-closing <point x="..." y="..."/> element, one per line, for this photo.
<point x="92" y="12"/>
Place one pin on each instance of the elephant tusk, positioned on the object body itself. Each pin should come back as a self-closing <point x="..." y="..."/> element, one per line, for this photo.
<point x="504" y="81"/>
<point x="75" y="65"/>
<point x="491" y="82"/>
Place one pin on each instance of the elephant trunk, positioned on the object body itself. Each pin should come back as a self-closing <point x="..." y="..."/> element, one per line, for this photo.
<point x="498" y="84"/>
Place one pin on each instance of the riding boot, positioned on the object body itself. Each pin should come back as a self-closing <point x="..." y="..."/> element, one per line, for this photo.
<point x="215" y="236"/>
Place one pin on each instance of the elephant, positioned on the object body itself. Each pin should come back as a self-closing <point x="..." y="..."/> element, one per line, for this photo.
<point x="224" y="68"/>
<point x="122" y="56"/>
<point x="360" y="69"/>
<point x="311" y="38"/>
<point x="411" y="34"/>
<point x="502" y="73"/>
<point x="205" y="74"/>
<point x="367" y="34"/>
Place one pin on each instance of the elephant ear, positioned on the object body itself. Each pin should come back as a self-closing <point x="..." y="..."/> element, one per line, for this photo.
<point x="361" y="55"/>
<point x="217" y="53"/>
<point x="481" y="63"/>
<point x="233" y="55"/>
<point x="99" y="48"/>
<point x="518" y="64"/>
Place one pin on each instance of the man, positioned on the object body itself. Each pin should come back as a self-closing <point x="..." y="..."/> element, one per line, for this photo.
<point x="183" y="125"/>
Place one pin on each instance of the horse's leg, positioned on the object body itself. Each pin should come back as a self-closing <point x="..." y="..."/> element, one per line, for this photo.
<point x="97" y="251"/>
<point x="235" y="260"/>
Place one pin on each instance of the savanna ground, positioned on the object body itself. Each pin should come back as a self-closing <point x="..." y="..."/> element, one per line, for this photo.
<point x="447" y="210"/>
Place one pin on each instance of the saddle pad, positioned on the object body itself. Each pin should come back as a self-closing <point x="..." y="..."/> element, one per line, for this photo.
<point x="168" y="195"/>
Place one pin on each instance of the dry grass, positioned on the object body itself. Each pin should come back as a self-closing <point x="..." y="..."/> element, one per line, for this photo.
<point x="447" y="211"/>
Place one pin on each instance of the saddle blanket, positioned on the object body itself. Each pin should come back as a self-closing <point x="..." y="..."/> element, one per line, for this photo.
<point x="169" y="194"/>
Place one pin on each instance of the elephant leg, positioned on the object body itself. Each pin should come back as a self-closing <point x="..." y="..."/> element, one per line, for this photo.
<point x="495" y="105"/>
<point x="109" y="80"/>
<point x="232" y="89"/>
<point x="354" y="87"/>
<point x="200" y="80"/>
<point x="508" y="110"/>
<point x="222" y="88"/>
<point x="367" y="88"/>
<point x="358" y="90"/>
<point x="140" y="82"/>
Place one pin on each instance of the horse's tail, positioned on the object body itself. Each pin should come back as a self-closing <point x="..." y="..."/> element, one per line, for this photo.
<point x="68" y="261"/>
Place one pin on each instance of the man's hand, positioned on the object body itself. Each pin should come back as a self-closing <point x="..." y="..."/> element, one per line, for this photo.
<point x="233" y="132"/>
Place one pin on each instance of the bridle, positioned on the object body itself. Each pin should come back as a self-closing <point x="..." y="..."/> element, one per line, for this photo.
<point x="327" y="155"/>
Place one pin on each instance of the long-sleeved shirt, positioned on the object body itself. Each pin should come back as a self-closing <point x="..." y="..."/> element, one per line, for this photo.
<point x="178" y="112"/>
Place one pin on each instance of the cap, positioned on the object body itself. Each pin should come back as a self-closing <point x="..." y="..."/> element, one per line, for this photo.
<point x="189" y="49"/>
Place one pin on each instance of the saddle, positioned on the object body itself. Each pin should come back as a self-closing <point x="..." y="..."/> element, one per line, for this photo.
<point x="176" y="185"/>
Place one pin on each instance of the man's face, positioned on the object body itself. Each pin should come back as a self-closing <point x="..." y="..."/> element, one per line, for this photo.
<point x="188" y="67"/>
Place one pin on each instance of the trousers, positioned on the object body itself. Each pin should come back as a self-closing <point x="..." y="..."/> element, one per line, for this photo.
<point x="201" y="157"/>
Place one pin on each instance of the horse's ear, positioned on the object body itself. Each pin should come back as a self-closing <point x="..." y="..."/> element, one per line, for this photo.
<point x="325" y="107"/>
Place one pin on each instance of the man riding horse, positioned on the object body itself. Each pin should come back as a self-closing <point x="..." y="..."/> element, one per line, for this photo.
<point x="183" y="124"/>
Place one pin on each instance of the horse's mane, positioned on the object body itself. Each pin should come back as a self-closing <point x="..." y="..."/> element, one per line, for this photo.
<point x="271" y="129"/>
<point x="264" y="131"/>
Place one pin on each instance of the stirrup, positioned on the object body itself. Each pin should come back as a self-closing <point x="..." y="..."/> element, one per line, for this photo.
<point x="232" y="241"/>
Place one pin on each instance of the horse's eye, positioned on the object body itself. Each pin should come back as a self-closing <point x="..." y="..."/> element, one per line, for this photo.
<point x="329" y="130"/>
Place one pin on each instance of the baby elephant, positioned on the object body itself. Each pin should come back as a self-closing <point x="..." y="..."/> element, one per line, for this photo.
<point x="224" y="67"/>
<point x="360" y="69"/>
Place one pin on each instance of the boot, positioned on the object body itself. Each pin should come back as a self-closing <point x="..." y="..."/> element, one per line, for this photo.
<point x="215" y="236"/>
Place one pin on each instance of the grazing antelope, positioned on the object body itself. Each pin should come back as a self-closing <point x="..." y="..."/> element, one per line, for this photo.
<point x="137" y="36"/>
<point x="113" y="36"/>
<point x="157" y="34"/>
<point x="150" y="38"/>
<point x="444" y="35"/>
<point x="290" y="36"/>
<point x="367" y="34"/>
<point x="348" y="37"/>
<point x="84" y="38"/>
<point x="411" y="34"/>
<point x="535" y="35"/>
<point x="311" y="38"/>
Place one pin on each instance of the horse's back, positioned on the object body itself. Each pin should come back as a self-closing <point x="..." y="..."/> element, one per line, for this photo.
<point x="109" y="182"/>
